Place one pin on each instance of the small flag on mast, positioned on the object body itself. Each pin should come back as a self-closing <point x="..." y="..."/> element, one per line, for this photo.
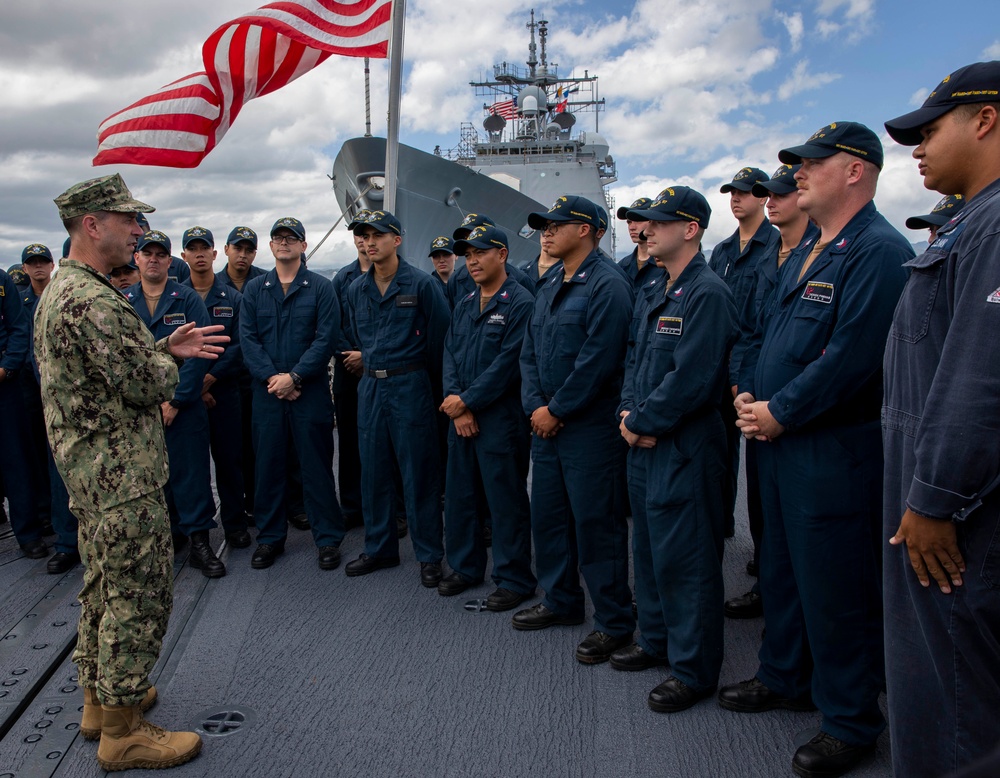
<point x="251" y="56"/>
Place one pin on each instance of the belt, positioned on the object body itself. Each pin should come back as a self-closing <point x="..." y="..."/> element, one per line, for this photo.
<point x="394" y="371"/>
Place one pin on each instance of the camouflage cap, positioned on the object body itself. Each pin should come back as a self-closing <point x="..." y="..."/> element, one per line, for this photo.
<point x="107" y="193"/>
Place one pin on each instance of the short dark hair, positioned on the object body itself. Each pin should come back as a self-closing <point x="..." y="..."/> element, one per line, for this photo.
<point x="968" y="110"/>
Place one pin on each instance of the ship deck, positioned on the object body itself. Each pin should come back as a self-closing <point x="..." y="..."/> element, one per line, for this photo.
<point x="293" y="671"/>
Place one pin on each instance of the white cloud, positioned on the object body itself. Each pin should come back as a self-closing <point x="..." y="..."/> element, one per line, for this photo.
<point x="918" y="97"/>
<point x="801" y="80"/>
<point x="795" y="26"/>
<point x="992" y="51"/>
<point x="854" y="17"/>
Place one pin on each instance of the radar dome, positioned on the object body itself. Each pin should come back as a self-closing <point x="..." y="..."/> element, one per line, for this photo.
<point x="535" y="92"/>
<point x="595" y="143"/>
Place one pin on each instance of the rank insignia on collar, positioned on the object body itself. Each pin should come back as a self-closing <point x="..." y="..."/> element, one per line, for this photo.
<point x="994" y="298"/>
<point x="582" y="275"/>
<point x="841" y="243"/>
<point x="504" y="294"/>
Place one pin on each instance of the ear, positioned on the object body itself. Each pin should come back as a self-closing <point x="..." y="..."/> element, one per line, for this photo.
<point x="855" y="170"/>
<point x="986" y="121"/>
<point x="691" y="230"/>
<point x="91" y="225"/>
<point x="503" y="255"/>
<point x="397" y="241"/>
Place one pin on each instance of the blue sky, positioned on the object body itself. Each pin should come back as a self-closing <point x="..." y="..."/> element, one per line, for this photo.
<point x="695" y="90"/>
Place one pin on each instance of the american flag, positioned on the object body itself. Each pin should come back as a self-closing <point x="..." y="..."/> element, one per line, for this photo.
<point x="253" y="55"/>
<point x="505" y="108"/>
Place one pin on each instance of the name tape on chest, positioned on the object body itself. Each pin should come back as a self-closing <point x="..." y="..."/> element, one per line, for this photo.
<point x="406" y="301"/>
<point x="670" y="325"/>
<point x="222" y="312"/>
<point x="818" y="292"/>
<point x="175" y="319"/>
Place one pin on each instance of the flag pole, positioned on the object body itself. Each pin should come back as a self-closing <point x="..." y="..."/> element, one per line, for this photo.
<point x="395" y="90"/>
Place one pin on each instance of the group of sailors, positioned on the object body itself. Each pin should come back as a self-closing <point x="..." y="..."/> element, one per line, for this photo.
<point x="630" y="387"/>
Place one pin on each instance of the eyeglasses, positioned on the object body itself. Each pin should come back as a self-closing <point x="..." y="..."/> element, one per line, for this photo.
<point x="282" y="240"/>
<point x="553" y="226"/>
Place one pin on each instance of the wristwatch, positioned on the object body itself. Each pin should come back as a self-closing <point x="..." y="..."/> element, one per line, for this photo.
<point x="173" y="404"/>
<point x="296" y="379"/>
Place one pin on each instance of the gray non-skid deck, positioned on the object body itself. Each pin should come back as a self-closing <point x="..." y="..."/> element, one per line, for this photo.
<point x="375" y="676"/>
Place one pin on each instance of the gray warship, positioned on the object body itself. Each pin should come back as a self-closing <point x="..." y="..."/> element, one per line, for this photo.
<point x="531" y="150"/>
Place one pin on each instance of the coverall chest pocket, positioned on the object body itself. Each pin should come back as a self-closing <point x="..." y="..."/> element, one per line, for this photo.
<point x="267" y="324"/>
<point x="571" y="328"/>
<point x="303" y="320"/>
<point x="810" y="331"/>
<point x="913" y="314"/>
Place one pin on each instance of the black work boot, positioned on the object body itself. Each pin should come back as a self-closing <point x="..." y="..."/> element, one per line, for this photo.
<point x="203" y="558"/>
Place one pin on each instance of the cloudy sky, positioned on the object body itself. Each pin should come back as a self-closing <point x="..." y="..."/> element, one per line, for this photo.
<point x="694" y="89"/>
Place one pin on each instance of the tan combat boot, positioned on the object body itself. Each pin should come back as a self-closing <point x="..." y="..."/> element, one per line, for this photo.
<point x="129" y="741"/>
<point x="93" y="716"/>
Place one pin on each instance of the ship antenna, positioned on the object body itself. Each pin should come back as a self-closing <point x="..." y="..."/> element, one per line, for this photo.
<point x="542" y="34"/>
<point x="532" y="50"/>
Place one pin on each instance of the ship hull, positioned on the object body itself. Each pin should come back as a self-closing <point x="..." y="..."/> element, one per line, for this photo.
<point x="433" y="196"/>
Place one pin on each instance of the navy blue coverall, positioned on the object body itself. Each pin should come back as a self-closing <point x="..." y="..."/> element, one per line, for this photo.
<point x="819" y="367"/>
<point x="18" y="476"/>
<point x="401" y="336"/>
<point x="481" y="352"/>
<point x="189" y="486"/>
<point x="224" y="419"/>
<point x="246" y="403"/>
<point x="640" y="277"/>
<point x="676" y="369"/>
<point x="345" y="393"/>
<point x="942" y="460"/>
<point x="572" y="361"/>
<point x="738" y="269"/>
<point x="295" y="332"/>
<point x="64" y="523"/>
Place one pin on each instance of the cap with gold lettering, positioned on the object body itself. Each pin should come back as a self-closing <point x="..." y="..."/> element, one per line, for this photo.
<point x="850" y="137"/>
<point x="107" y="193"/>
<point x="675" y="204"/>
<point x="940" y="214"/>
<point x="975" y="83"/>
<point x="568" y="208"/>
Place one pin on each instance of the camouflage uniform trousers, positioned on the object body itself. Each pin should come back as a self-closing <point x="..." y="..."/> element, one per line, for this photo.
<point x="126" y="598"/>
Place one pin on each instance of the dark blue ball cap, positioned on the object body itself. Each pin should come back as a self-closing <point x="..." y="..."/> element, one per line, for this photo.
<point x="442" y="243"/>
<point x="941" y="214"/>
<point x="675" y="204"/>
<point x="17" y="275"/>
<point x="359" y="217"/>
<point x="485" y="236"/>
<point x="744" y="180"/>
<point x="469" y="223"/>
<point x="241" y="234"/>
<point x="638" y="205"/>
<point x="602" y="218"/>
<point x="568" y="208"/>
<point x="35" y="251"/>
<point x="383" y="221"/>
<point x="151" y="237"/>
<point x="66" y="244"/>
<point x="143" y="221"/>
<point x="975" y="83"/>
<point x="197" y="233"/>
<point x="782" y="182"/>
<point x="850" y="137"/>
<point x="291" y="224"/>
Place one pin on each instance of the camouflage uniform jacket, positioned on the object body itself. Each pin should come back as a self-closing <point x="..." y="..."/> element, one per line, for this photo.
<point x="103" y="378"/>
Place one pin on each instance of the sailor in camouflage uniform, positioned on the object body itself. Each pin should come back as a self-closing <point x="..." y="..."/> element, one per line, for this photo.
<point x="103" y="380"/>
